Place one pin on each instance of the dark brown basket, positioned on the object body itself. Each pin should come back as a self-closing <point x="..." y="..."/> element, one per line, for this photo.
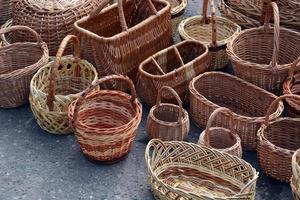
<point x="120" y="37"/>
<point x="175" y="66"/>
<point x="5" y="10"/>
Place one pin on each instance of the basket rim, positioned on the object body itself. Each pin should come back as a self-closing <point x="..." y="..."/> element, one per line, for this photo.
<point x="177" y="9"/>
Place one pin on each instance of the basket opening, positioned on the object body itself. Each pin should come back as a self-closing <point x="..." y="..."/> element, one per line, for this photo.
<point x="221" y="138"/>
<point x="167" y="113"/>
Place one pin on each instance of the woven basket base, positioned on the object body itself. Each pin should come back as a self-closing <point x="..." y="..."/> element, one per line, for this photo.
<point x="97" y="162"/>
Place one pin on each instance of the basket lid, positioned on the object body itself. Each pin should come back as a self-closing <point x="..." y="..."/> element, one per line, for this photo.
<point x="54" y="5"/>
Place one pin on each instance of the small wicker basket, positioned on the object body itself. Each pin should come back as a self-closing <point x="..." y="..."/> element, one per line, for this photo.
<point x="177" y="6"/>
<point x="295" y="180"/>
<point x="180" y="170"/>
<point x="167" y="121"/>
<point x="222" y="139"/>
<point x="277" y="142"/>
<point x="214" y="31"/>
<point x="56" y="85"/>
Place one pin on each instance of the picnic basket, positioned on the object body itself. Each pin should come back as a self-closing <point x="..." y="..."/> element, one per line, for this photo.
<point x="222" y="139"/>
<point x="214" y="31"/>
<point x="278" y="139"/>
<point x="105" y="122"/>
<point x="120" y="37"/>
<point x="174" y="66"/>
<point x="180" y="170"/>
<point x="263" y="55"/>
<point x="18" y="63"/>
<point x="247" y="102"/>
<point x="295" y="182"/>
<point x="56" y="85"/>
<point x="168" y="121"/>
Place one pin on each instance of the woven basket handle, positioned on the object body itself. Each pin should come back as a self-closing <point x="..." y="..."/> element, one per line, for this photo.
<point x="293" y="68"/>
<point x="250" y="184"/>
<point x="56" y="63"/>
<point x="157" y="146"/>
<point x="211" y="120"/>
<point x="98" y="82"/>
<point x="174" y="93"/>
<point x="24" y="28"/>
<point x="213" y="20"/>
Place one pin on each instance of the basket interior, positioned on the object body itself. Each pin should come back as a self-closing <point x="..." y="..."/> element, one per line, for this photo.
<point x="167" y="113"/>
<point x="53" y="5"/>
<point x="221" y="138"/>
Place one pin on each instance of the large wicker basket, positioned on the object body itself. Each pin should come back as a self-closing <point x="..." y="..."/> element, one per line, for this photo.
<point x="106" y="121"/>
<point x="56" y="85"/>
<point x="263" y="55"/>
<point x="214" y="31"/>
<point x="167" y="121"/>
<point x="119" y="38"/>
<point x="18" y="63"/>
<point x="52" y="19"/>
<point x="277" y="141"/>
<point x="174" y="66"/>
<point x="295" y="180"/>
<point x="222" y="139"/>
<point x="248" y="103"/>
<point x="180" y="170"/>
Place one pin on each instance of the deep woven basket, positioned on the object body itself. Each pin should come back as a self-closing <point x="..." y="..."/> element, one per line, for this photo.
<point x="166" y="121"/>
<point x="56" y="85"/>
<point x="174" y="66"/>
<point x="263" y="55"/>
<point x="120" y="37"/>
<point x="222" y="139"/>
<point x="106" y="121"/>
<point x="180" y="170"/>
<point x="248" y="103"/>
<point x="18" y="63"/>
<point x="214" y="31"/>
<point x="295" y="180"/>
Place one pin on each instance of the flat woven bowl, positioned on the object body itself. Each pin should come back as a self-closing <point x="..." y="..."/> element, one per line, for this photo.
<point x="180" y="170"/>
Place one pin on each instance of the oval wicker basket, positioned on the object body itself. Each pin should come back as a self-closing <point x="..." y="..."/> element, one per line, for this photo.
<point x="223" y="139"/>
<point x="18" y="63"/>
<point x="277" y="141"/>
<point x="174" y="66"/>
<point x="292" y="86"/>
<point x="56" y="85"/>
<point x="295" y="180"/>
<point x="180" y="170"/>
<point x="177" y="6"/>
<point x="214" y="31"/>
<point x="106" y="121"/>
<point x="248" y="103"/>
<point x="259" y="58"/>
<point x="168" y="121"/>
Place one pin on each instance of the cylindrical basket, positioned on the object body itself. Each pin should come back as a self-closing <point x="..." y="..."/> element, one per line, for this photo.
<point x="277" y="141"/>
<point x="56" y="85"/>
<point x="180" y="170"/>
<point x="295" y="180"/>
<point x="247" y="102"/>
<point x="167" y="121"/>
<point x="222" y="139"/>
<point x="106" y="121"/>
<point x="263" y="55"/>
<point x="18" y="63"/>
<point x="214" y="31"/>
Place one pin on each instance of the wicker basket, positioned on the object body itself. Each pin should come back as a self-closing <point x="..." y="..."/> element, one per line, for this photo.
<point x="177" y="6"/>
<point x="222" y="139"/>
<point x="56" y="85"/>
<point x="214" y="31"/>
<point x="277" y="141"/>
<point x="248" y="103"/>
<point x="168" y="121"/>
<point x="295" y="181"/>
<point x="259" y="58"/>
<point x="292" y="86"/>
<point x="52" y="19"/>
<point x="5" y="10"/>
<point x="180" y="170"/>
<point x="18" y="63"/>
<point x="119" y="38"/>
<point x="106" y="121"/>
<point x="175" y="66"/>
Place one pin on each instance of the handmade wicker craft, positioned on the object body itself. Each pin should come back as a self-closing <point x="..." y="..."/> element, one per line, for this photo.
<point x="180" y="170"/>
<point x="259" y="58"/>
<point x="167" y="121"/>
<point x="52" y="19"/>
<point x="295" y="180"/>
<point x="5" y="10"/>
<point x="214" y="31"/>
<point x="177" y="6"/>
<point x="56" y="85"/>
<point x="248" y="103"/>
<point x="106" y="121"/>
<point x="18" y="63"/>
<point x="292" y="86"/>
<point x="222" y="139"/>
<point x="119" y="38"/>
<point x="174" y="66"/>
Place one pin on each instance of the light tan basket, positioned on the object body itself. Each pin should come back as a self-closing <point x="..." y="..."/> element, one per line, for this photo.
<point x="177" y="6"/>
<point x="295" y="180"/>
